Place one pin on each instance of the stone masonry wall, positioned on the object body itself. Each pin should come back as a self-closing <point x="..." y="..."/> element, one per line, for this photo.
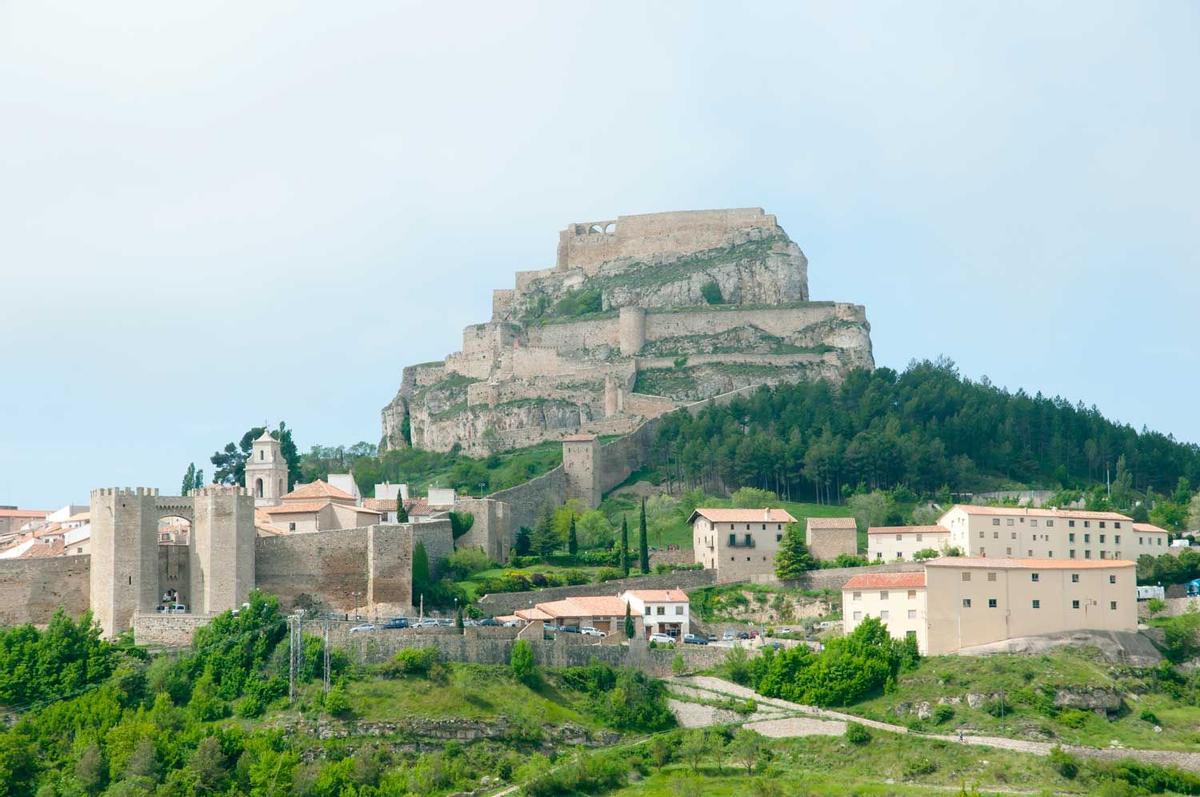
<point x="508" y="602"/>
<point x="526" y="501"/>
<point x="32" y="589"/>
<point x="329" y="566"/>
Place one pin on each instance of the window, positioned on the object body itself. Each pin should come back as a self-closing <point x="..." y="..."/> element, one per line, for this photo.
<point x="678" y="610"/>
<point x="1112" y="579"/>
<point x="291" y="527"/>
<point x="1037" y="604"/>
<point x="991" y="576"/>
<point x="1071" y="524"/>
<point x="261" y="455"/>
<point x="899" y="537"/>
<point x="966" y="576"/>
<point x="918" y="538"/>
<point x="1012" y="535"/>
<point x="982" y="552"/>
<point x="981" y="534"/>
<point x="883" y="615"/>
<point x="1033" y="523"/>
<point x="1087" y="537"/>
<point x="857" y="596"/>
<point x="661" y="610"/>
<point x="912" y="614"/>
<point x="1087" y="554"/>
<point x="966" y="603"/>
<point x="1140" y="541"/>
<point x="1104" y="554"/>
<point x="1034" y="576"/>
<point x="1030" y="554"/>
<point x="991" y="603"/>
<point x="1010" y="521"/>
<point x="733" y="539"/>
<point x="764" y="527"/>
<point x="1112" y="605"/>
<point x="858" y="615"/>
<point x="1072" y="553"/>
<point x="1071" y="537"/>
<point x="647" y="611"/>
<point x="1087" y="524"/>
<point x="910" y="634"/>
<point x="778" y="537"/>
<point x="1117" y="539"/>
<point x="1074" y="604"/>
<point x="1101" y="538"/>
<point x="1074" y="578"/>
<point x="1049" y="522"/>
<point x="1008" y="550"/>
<point x="912" y="594"/>
<point x="995" y="521"/>
<point x="883" y="595"/>
<point x="749" y="540"/>
<point x="1116" y="524"/>
<point x="995" y="535"/>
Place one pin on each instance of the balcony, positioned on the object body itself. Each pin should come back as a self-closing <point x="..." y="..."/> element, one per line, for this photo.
<point x="744" y="543"/>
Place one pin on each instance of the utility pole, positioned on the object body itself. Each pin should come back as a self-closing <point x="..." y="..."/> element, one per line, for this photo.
<point x="325" y="665"/>
<point x="291" y="660"/>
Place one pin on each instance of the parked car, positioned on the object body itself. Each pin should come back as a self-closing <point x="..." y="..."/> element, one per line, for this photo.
<point x="662" y="639"/>
<point x="588" y="630"/>
<point x="358" y="629"/>
<point x="729" y="636"/>
<point x="396" y="622"/>
<point x="569" y="629"/>
<point x="490" y="622"/>
<point x="694" y="639"/>
<point x="428" y="622"/>
<point x="513" y="623"/>
<point x="176" y="608"/>
<point x="743" y="635"/>
<point x="712" y="637"/>
<point x="784" y="631"/>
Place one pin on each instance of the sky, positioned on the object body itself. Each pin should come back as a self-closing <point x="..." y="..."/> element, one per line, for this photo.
<point x="215" y="214"/>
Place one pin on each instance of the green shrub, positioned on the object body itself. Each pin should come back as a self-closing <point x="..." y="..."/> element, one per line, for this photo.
<point x="943" y="713"/>
<point x="417" y="662"/>
<point x="857" y="734"/>
<point x="711" y="292"/>
<point x="466" y="562"/>
<point x="608" y="574"/>
<point x="916" y="767"/>
<point x="1149" y="716"/>
<point x="1155" y="605"/>
<point x="1064" y="763"/>
<point x="522" y="664"/>
<point x="336" y="701"/>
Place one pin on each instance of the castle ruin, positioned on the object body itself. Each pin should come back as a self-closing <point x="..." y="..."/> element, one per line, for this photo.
<point x="639" y="316"/>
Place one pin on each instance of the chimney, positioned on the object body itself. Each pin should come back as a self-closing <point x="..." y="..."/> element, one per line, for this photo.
<point x="767" y="513"/>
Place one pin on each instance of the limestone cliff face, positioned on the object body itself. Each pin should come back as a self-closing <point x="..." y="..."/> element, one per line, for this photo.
<point x="639" y="315"/>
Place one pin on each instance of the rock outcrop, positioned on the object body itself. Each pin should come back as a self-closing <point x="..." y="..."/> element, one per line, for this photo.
<point x="639" y="316"/>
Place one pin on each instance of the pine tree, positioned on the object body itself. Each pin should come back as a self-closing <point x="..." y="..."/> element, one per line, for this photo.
<point x="643" y="547"/>
<point x="189" y="480"/>
<point x="624" y="546"/>
<point x="523" y="542"/>
<point x="793" y="558"/>
<point x="629" y="628"/>
<point x="572" y="539"/>
<point x="544" y="540"/>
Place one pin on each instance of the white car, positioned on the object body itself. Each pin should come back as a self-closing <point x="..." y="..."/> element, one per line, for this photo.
<point x="358" y="629"/>
<point x="587" y="630"/>
<point x="662" y="639"/>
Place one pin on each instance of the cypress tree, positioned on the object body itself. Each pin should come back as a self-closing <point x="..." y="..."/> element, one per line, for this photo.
<point x="401" y="512"/>
<point x="643" y="547"/>
<point x="629" y="629"/>
<point x="572" y="539"/>
<point x="625" y="546"/>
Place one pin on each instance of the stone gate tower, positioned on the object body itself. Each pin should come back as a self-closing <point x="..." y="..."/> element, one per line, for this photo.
<point x="125" y="572"/>
<point x="266" y="471"/>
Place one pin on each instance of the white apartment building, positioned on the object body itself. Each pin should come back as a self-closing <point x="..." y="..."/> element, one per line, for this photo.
<point x="738" y="543"/>
<point x="996" y="531"/>
<point x="899" y="543"/>
<point x="960" y="602"/>
<point x="663" y="611"/>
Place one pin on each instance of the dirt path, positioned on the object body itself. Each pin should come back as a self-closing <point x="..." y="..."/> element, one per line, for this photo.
<point x="719" y="688"/>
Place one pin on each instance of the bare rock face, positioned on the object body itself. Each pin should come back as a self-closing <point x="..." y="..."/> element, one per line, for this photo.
<point x="640" y="315"/>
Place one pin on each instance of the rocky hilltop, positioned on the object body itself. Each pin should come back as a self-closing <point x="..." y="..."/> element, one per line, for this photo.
<point x="639" y="315"/>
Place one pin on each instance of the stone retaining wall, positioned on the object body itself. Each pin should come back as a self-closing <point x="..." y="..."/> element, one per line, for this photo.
<point x="508" y="602"/>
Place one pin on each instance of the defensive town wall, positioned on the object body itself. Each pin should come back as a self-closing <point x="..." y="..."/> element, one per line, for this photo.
<point x="31" y="590"/>
<point x="588" y="245"/>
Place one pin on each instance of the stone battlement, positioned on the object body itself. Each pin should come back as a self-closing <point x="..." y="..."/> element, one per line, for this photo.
<point x="125" y="491"/>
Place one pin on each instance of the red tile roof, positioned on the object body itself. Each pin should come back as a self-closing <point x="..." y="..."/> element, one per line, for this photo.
<point x="297" y="508"/>
<point x="720" y="515"/>
<point x="317" y="489"/>
<point x="908" y="530"/>
<point x="380" y="504"/>
<point x="885" y="581"/>
<point x="1015" y="511"/>
<point x="1149" y="528"/>
<point x="23" y="513"/>
<point x="659" y="595"/>
<point x="1027" y="564"/>
<point x="584" y="606"/>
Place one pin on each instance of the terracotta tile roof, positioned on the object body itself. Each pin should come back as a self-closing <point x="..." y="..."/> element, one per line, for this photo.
<point x="533" y="613"/>
<point x="297" y="508"/>
<point x="908" y="530"/>
<point x="584" y="606"/>
<point x="417" y="506"/>
<point x="1013" y="511"/>
<point x="719" y="515"/>
<point x="380" y="504"/>
<point x="317" y="489"/>
<point x="659" y="595"/>
<point x="832" y="523"/>
<point x="23" y="513"/>
<point x="1149" y="528"/>
<point x="44" y="550"/>
<point x="1027" y="564"/>
<point x="885" y="581"/>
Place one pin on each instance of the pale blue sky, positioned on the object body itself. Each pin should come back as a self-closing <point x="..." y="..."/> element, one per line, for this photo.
<point x="227" y="212"/>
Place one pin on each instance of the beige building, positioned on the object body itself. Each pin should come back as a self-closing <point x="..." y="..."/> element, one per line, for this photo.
<point x="663" y="611"/>
<point x="603" y="612"/>
<point x="266" y="471"/>
<point x="899" y="543"/>
<point x="738" y="543"/>
<point x="960" y="602"/>
<point x="995" y="531"/>
<point x="318" y="506"/>
<point x="829" y="537"/>
<point x="896" y="599"/>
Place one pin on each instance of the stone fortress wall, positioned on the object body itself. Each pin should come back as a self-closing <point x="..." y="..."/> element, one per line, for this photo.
<point x="527" y="376"/>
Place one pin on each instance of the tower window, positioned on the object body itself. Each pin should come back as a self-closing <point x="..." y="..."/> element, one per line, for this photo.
<point x="261" y="455"/>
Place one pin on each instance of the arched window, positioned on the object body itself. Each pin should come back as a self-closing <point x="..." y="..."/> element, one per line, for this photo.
<point x="258" y="487"/>
<point x="261" y="455"/>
